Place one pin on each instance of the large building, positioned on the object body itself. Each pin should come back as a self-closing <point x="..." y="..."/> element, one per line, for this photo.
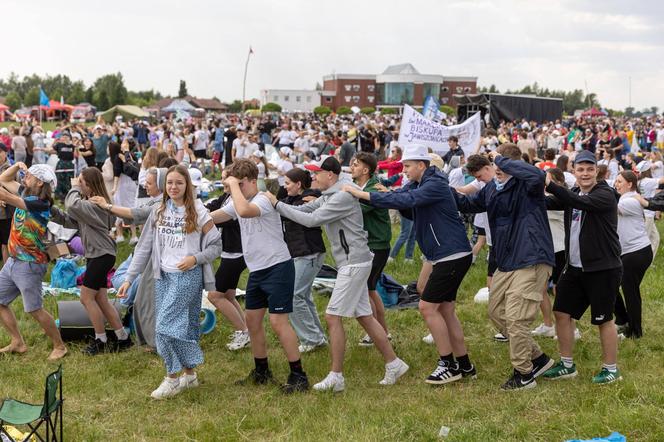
<point x="397" y="85"/>
<point x="292" y="100"/>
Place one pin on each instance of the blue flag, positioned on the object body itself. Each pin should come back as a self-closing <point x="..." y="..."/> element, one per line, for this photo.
<point x="43" y="98"/>
<point x="430" y="109"/>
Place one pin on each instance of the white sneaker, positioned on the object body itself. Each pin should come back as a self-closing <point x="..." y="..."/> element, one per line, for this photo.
<point x="240" y="340"/>
<point x="428" y="339"/>
<point x="577" y="335"/>
<point x="408" y="261"/>
<point x="544" y="330"/>
<point x="168" y="388"/>
<point x="499" y="337"/>
<point x="306" y="348"/>
<point x="133" y="241"/>
<point x="188" y="381"/>
<point x="390" y="259"/>
<point x="332" y="381"/>
<point x="393" y="373"/>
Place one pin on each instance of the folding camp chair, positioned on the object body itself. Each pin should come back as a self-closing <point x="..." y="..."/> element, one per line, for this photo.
<point x="15" y="412"/>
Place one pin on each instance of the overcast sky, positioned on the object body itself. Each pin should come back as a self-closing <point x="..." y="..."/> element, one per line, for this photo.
<point x="510" y="43"/>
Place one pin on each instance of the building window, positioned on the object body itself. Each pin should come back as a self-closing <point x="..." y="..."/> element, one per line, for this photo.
<point x="298" y="98"/>
<point x="309" y="99"/>
<point x="371" y="87"/>
<point x="327" y="99"/>
<point x="276" y="98"/>
<point x="432" y="89"/>
<point x="347" y="98"/>
<point x="466" y="89"/>
<point x="398" y="93"/>
<point x="356" y="99"/>
<point x="347" y="87"/>
<point x="356" y="88"/>
<point x="370" y="98"/>
<point x="459" y="89"/>
<point x="444" y="100"/>
<point x="445" y="89"/>
<point x="285" y="97"/>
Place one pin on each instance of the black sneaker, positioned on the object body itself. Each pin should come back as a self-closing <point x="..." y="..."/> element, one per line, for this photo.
<point x="96" y="346"/>
<point x="470" y="373"/>
<point x="541" y="364"/>
<point x="443" y="375"/>
<point x="519" y="381"/>
<point x="257" y="378"/>
<point x="123" y="344"/>
<point x="296" y="382"/>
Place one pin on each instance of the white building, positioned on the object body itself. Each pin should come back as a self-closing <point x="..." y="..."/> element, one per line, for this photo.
<point x="292" y="100"/>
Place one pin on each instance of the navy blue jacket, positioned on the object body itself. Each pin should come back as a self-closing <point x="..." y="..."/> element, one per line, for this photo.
<point x="438" y="227"/>
<point x="517" y="216"/>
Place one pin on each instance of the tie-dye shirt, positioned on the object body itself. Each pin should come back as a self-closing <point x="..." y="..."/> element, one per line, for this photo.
<point x="28" y="233"/>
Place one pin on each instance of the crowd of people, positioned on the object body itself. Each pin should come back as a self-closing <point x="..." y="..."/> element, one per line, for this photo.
<point x="566" y="208"/>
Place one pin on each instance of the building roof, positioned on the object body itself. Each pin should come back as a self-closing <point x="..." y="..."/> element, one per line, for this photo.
<point x="401" y="69"/>
<point x="207" y="103"/>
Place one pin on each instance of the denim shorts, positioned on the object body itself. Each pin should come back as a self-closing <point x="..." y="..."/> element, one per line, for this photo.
<point x="24" y="278"/>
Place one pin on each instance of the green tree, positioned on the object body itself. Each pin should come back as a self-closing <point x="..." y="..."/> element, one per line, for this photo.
<point x="344" y="110"/>
<point x="629" y="111"/>
<point x="322" y="110"/>
<point x="388" y="111"/>
<point x="368" y="110"/>
<point x="109" y="91"/>
<point x="76" y="93"/>
<point x="449" y="110"/>
<point x="271" y="107"/>
<point x="235" y="106"/>
<point x="13" y="100"/>
<point x="182" y="92"/>
<point x="32" y="97"/>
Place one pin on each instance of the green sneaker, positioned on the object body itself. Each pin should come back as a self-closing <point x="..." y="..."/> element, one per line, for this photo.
<point x="559" y="371"/>
<point x="606" y="377"/>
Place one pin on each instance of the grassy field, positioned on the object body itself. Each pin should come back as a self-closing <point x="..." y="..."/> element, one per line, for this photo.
<point x="107" y="397"/>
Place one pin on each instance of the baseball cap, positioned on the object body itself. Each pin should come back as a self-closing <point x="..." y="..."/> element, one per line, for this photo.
<point x="416" y="152"/>
<point x="329" y="164"/>
<point x="585" y="157"/>
<point x="643" y="166"/>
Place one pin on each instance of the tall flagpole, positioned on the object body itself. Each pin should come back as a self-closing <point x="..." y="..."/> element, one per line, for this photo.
<point x="244" y="82"/>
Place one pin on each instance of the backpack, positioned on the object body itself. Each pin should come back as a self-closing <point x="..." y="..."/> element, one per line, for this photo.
<point x="389" y="290"/>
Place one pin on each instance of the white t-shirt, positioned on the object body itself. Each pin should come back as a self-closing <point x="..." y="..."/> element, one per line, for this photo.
<point x="648" y="188"/>
<point x="171" y="236"/>
<point x="263" y="242"/>
<point x="287" y="137"/>
<point x="283" y="166"/>
<point x="574" y="233"/>
<point x="570" y="179"/>
<point x="261" y="170"/>
<point x="456" y="177"/>
<point x="202" y="139"/>
<point x="631" y="224"/>
<point x="557" y="226"/>
<point x="657" y="169"/>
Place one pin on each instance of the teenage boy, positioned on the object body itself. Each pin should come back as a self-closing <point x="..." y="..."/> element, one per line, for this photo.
<point x="271" y="273"/>
<point x="594" y="269"/>
<point x="28" y="261"/>
<point x="442" y="238"/>
<point x="341" y="215"/>
<point x="379" y="230"/>
<point x="523" y="250"/>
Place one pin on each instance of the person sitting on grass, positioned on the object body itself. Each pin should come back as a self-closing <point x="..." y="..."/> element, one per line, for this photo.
<point x="271" y="273"/>
<point x="24" y="271"/>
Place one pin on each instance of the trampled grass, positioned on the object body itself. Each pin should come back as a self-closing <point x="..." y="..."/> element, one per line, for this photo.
<point x="107" y="397"/>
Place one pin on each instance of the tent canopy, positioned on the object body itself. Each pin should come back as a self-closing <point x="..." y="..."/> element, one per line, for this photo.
<point x="179" y="105"/>
<point x="594" y="113"/>
<point x="127" y="112"/>
<point x="3" y="107"/>
<point x="57" y="106"/>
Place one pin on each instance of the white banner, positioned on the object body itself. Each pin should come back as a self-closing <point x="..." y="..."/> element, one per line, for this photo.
<point x="415" y="129"/>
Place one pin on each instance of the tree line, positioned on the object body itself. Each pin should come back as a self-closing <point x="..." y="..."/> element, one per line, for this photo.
<point x="106" y="91"/>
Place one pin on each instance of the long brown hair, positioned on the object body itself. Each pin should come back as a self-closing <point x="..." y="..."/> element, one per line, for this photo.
<point x="631" y="179"/>
<point x="94" y="181"/>
<point x="191" y="217"/>
<point x="151" y="158"/>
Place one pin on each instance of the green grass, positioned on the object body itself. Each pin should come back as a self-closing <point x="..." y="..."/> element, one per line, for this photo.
<point x="107" y="397"/>
<point x="46" y="125"/>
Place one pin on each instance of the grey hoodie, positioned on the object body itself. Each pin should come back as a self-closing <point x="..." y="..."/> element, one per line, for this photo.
<point x="204" y="247"/>
<point x="93" y="223"/>
<point x="341" y="215"/>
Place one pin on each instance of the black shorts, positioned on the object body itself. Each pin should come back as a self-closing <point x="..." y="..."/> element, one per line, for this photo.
<point x="492" y="264"/>
<point x="272" y="288"/>
<point x="5" y="228"/>
<point x="577" y="290"/>
<point x="228" y="273"/>
<point x="445" y="280"/>
<point x="377" y="266"/>
<point x="96" y="272"/>
<point x="481" y="231"/>
<point x="201" y="154"/>
<point x="561" y="260"/>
